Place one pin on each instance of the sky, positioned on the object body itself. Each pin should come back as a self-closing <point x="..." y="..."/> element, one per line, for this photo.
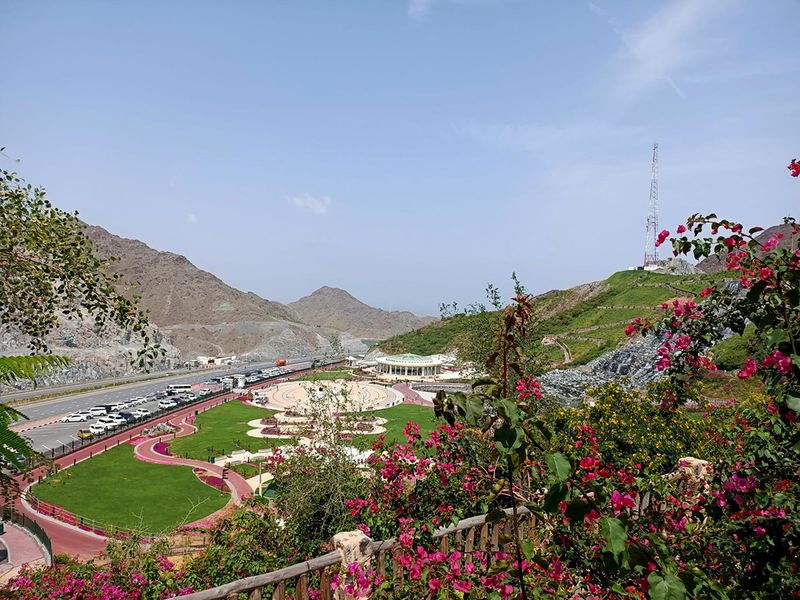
<point x="408" y="151"/>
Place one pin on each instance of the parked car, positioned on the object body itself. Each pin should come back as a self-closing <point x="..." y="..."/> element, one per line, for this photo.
<point x="164" y="404"/>
<point x="78" y="417"/>
<point x="84" y="433"/>
<point x="129" y="417"/>
<point x="160" y="394"/>
<point x="141" y="412"/>
<point x="117" y="406"/>
<point x="96" y="429"/>
<point x="204" y="392"/>
<point x="107" y="422"/>
<point x="97" y="411"/>
<point x="117" y="418"/>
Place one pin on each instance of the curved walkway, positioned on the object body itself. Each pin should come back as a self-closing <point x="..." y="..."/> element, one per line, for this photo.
<point x="145" y="451"/>
<point x="77" y="542"/>
<point x="23" y="549"/>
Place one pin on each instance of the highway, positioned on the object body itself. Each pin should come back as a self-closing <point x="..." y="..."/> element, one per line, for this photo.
<point x="48" y="434"/>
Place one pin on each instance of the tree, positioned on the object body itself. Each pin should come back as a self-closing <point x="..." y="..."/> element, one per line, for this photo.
<point x="49" y="269"/>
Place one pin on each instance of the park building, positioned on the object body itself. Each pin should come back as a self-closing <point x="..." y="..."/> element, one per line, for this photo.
<point x="410" y="365"/>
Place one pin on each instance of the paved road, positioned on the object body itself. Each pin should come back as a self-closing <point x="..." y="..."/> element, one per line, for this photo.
<point x="48" y="434"/>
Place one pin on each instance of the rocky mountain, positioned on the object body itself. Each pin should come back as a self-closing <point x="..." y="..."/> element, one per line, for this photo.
<point x="337" y="309"/>
<point x="203" y="315"/>
<point x="716" y="263"/>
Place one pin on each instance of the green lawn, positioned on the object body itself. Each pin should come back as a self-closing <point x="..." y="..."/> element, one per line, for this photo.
<point x="115" y="488"/>
<point x="327" y="375"/>
<point x="397" y="417"/>
<point x="223" y="429"/>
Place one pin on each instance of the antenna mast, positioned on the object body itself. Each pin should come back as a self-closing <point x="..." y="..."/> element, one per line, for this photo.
<point x="651" y="229"/>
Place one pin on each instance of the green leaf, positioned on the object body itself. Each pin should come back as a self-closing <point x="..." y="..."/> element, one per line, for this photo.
<point x="615" y="535"/>
<point x="528" y="547"/>
<point x="793" y="403"/>
<point x="668" y="587"/>
<point x="558" y="466"/>
<point x="496" y="515"/>
<point x="506" y="437"/>
<point x="509" y="411"/>
<point x="554" y="496"/>
<point x="577" y="510"/>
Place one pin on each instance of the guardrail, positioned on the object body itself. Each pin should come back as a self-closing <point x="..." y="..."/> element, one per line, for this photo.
<point x="12" y="516"/>
<point x="303" y="580"/>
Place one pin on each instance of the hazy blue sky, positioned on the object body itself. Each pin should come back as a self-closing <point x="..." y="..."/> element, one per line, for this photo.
<point x="409" y="152"/>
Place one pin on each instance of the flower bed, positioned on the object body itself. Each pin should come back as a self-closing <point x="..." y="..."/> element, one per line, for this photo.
<point x="211" y="479"/>
<point x="162" y="448"/>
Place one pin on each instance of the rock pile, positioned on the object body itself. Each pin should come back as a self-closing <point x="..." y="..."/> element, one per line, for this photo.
<point x="636" y="361"/>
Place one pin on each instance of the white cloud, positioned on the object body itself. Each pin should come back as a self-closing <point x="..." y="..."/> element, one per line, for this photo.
<point x="660" y="49"/>
<point x="316" y="205"/>
<point x="420" y="9"/>
<point x="191" y="218"/>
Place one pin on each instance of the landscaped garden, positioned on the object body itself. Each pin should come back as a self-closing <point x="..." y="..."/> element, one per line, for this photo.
<point x="114" y="488"/>
<point x="221" y="430"/>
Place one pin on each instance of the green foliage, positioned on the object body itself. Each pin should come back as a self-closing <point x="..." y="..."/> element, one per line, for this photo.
<point x="49" y="268"/>
<point x="15" y="368"/>
<point x="310" y="491"/>
<point x="730" y="354"/>
<point x="246" y="542"/>
<point x="630" y="430"/>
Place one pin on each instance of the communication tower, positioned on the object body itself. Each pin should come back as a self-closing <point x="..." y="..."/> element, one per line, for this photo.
<point x="651" y="229"/>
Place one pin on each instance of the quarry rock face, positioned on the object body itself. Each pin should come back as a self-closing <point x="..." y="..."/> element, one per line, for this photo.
<point x="635" y="361"/>
<point x="94" y="353"/>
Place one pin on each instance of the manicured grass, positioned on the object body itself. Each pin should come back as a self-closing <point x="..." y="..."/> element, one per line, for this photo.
<point x="328" y="375"/>
<point x="397" y="417"/>
<point x="223" y="429"/>
<point x="115" y="488"/>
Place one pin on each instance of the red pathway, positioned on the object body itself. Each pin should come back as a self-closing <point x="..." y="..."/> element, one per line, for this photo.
<point x="77" y="542"/>
<point x="411" y="397"/>
<point x="74" y="541"/>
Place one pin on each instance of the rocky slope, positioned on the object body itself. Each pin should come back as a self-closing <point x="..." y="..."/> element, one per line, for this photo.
<point x="203" y="315"/>
<point x="716" y="263"/>
<point x="95" y="353"/>
<point x="337" y="309"/>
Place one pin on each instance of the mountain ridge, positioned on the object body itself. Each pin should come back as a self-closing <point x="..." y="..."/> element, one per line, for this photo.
<point x="338" y="309"/>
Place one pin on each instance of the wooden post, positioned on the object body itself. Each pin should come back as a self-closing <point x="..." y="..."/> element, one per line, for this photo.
<point x="324" y="585"/>
<point x="469" y="545"/>
<point x="301" y="588"/>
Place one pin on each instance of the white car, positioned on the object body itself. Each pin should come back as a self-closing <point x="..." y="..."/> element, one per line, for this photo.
<point x="204" y="392"/>
<point x="117" y="406"/>
<point x="117" y="418"/>
<point x="107" y="422"/>
<point x="166" y="404"/>
<point x="96" y="429"/>
<point x="77" y="417"/>
<point x="141" y="412"/>
<point x="97" y="411"/>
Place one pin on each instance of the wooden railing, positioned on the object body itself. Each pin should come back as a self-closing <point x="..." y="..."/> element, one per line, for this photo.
<point x="467" y="536"/>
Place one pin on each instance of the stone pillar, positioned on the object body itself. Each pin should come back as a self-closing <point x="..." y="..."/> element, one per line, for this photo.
<point x="354" y="547"/>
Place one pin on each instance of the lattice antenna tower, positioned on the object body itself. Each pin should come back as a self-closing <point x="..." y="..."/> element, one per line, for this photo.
<point x="651" y="230"/>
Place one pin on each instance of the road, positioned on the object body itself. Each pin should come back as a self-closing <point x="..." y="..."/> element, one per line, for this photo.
<point x="45" y="434"/>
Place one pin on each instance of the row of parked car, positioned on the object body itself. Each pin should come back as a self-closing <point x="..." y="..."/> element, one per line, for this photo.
<point x="112" y="416"/>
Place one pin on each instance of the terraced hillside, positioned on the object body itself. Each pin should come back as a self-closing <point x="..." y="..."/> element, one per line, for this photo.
<point x="570" y="326"/>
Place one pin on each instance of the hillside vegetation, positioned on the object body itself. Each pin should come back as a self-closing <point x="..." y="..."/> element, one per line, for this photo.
<point x="588" y="320"/>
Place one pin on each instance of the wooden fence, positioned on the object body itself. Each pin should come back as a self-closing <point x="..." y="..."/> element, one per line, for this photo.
<point x="296" y="581"/>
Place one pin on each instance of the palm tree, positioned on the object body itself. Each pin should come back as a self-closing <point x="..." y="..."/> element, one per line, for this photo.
<point x="15" y="453"/>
